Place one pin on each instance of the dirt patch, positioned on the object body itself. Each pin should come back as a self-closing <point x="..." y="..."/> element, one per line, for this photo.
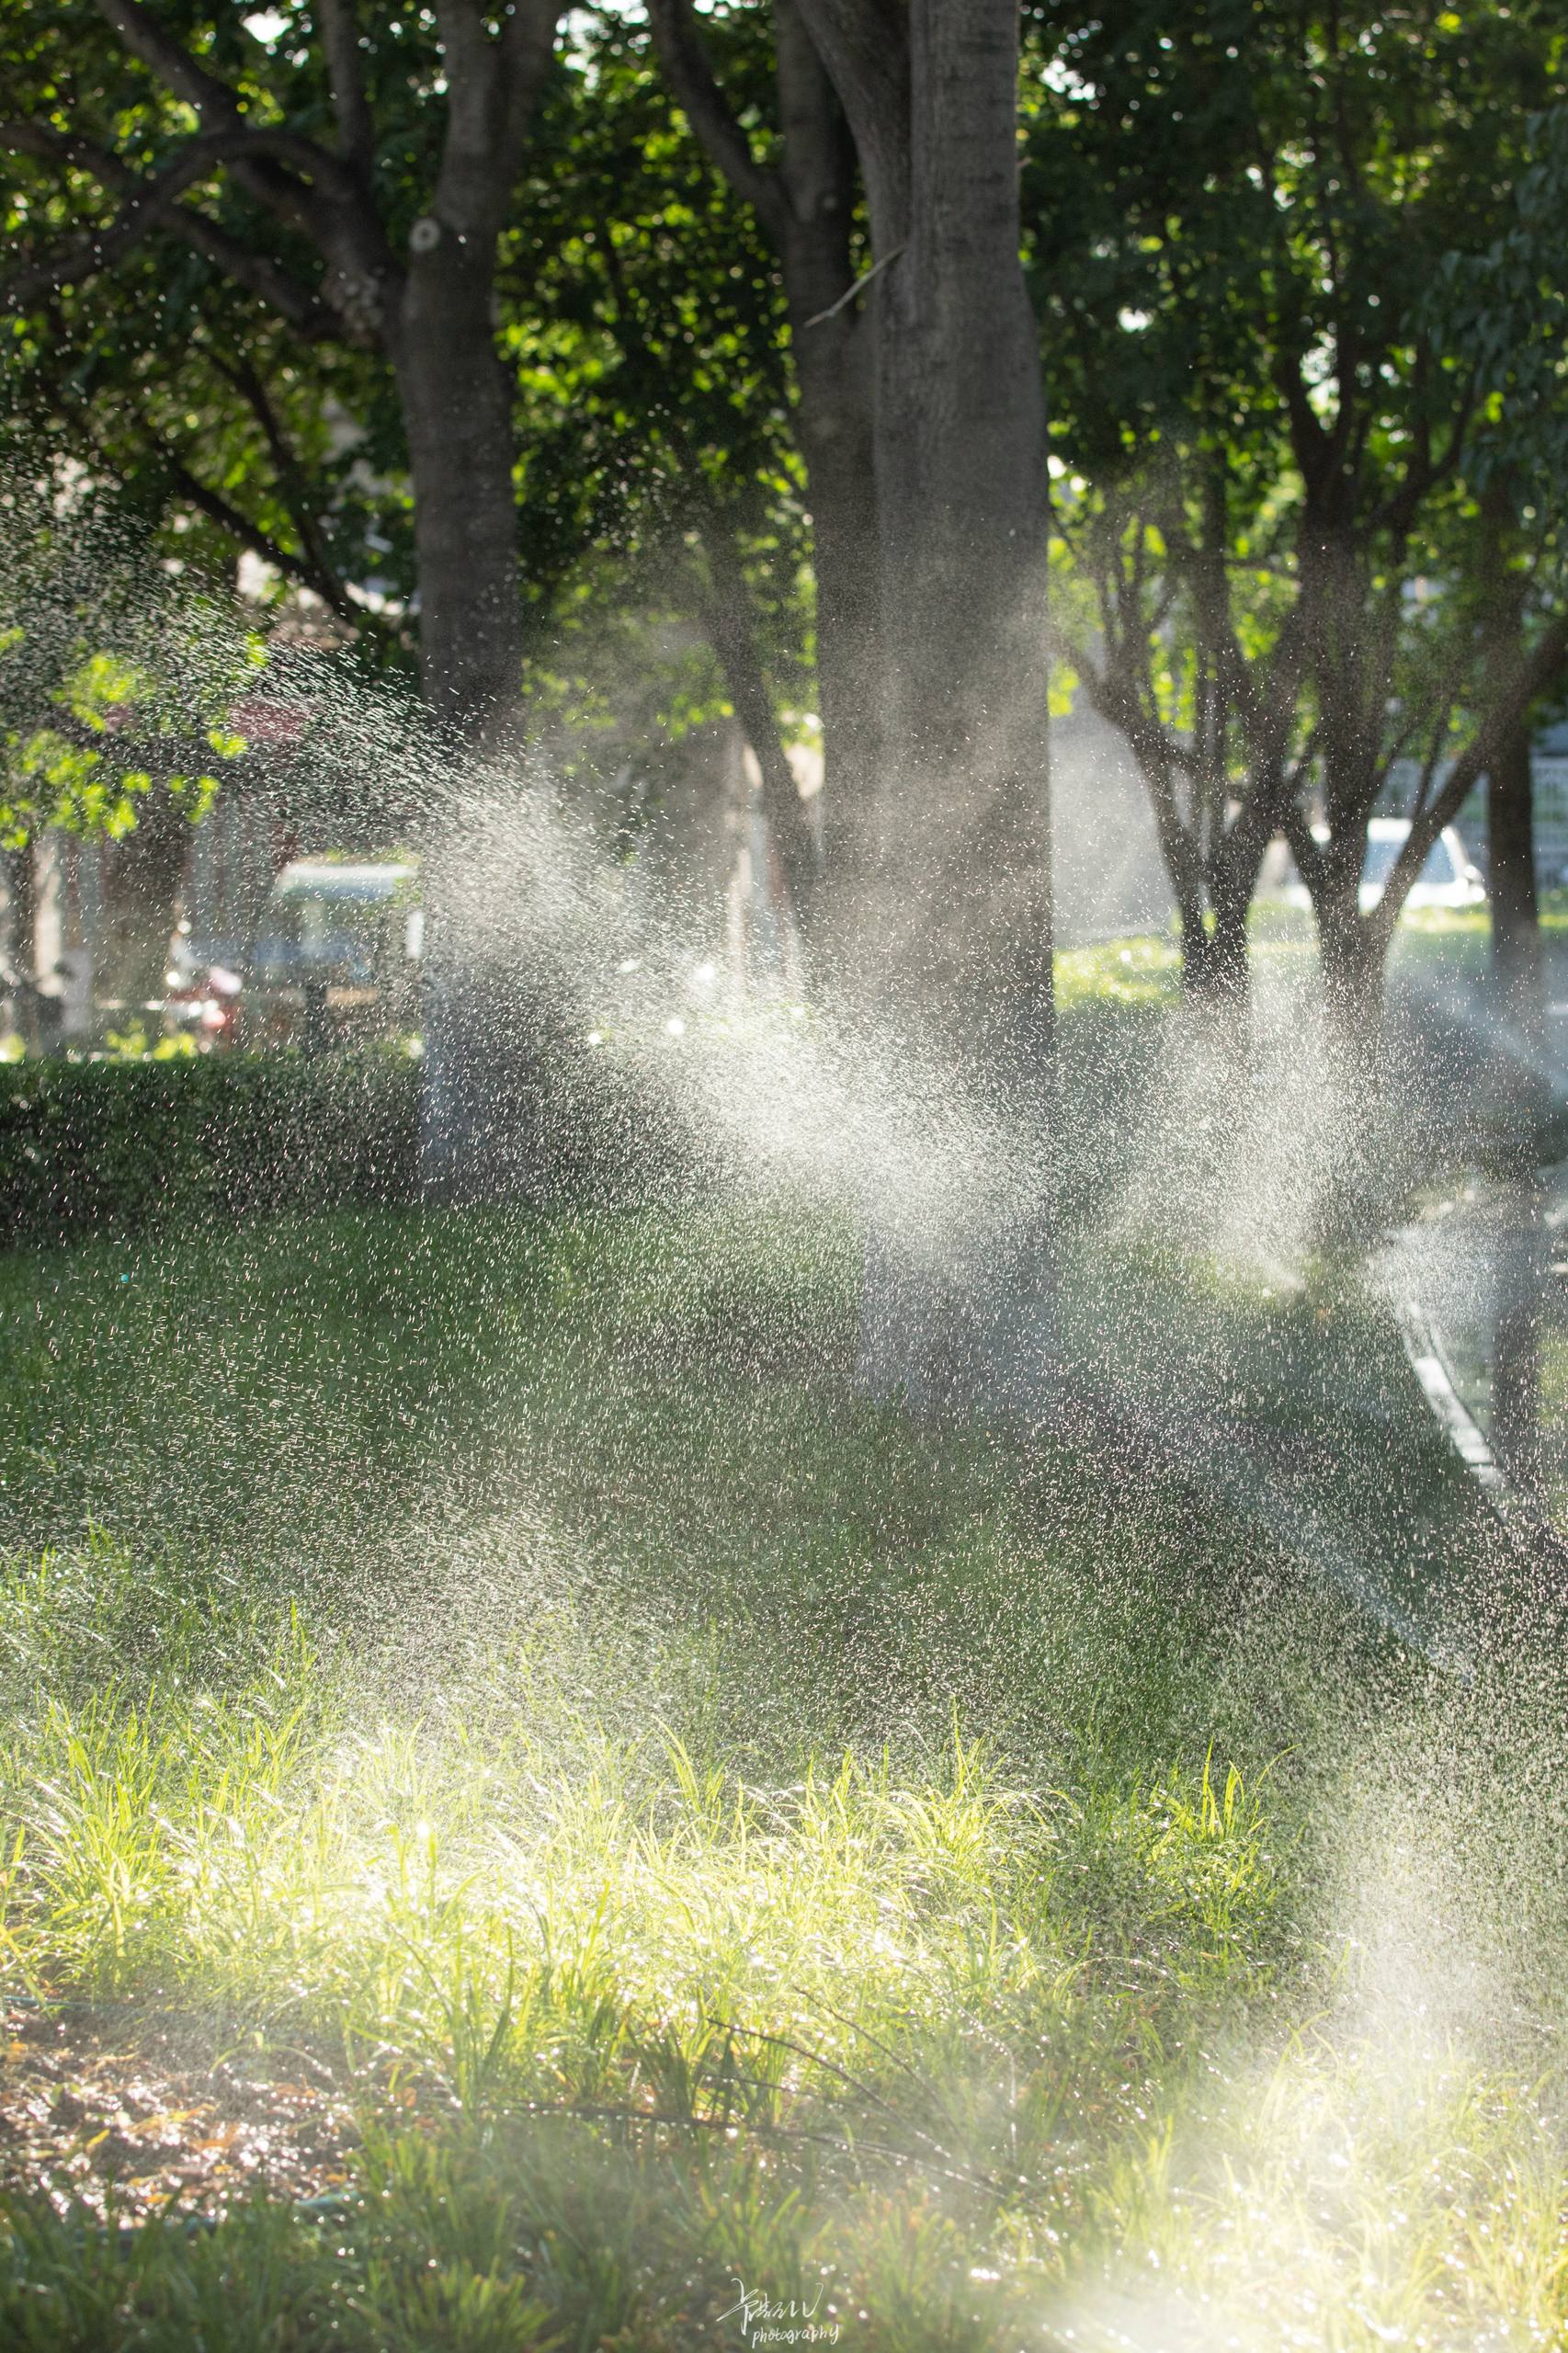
<point x="116" y="2124"/>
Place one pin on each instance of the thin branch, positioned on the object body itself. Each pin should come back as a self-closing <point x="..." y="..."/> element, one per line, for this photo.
<point x="150" y="204"/>
<point x="1540" y="671"/>
<point x="257" y="167"/>
<point x="168" y="58"/>
<point x="298" y="567"/>
<point x="248" y="383"/>
<point x="858" y="287"/>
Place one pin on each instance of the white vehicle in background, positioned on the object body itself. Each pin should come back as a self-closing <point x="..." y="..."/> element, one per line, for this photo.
<point x="336" y="960"/>
<point x="1448" y="876"/>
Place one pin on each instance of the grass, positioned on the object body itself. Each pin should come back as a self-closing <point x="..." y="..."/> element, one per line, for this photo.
<point x="685" y="1835"/>
<point x="1440" y="947"/>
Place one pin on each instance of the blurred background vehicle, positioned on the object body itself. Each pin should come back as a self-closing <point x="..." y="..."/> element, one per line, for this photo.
<point x="337" y="959"/>
<point x="1449" y="878"/>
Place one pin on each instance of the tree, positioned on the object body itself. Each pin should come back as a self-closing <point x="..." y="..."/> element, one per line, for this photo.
<point x="211" y="409"/>
<point x="276" y="149"/>
<point x="951" y="899"/>
<point x="114" y="694"/>
<point x="804" y="198"/>
<point x="1502" y="313"/>
<point x="1272" y="445"/>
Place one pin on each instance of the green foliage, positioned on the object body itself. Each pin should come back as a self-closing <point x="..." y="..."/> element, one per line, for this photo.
<point x="107" y="1146"/>
<point x="1502" y="313"/>
<point x="114" y="682"/>
<point x="638" y="309"/>
<point x="1263" y="240"/>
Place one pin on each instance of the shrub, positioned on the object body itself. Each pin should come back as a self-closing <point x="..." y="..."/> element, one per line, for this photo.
<point x="95" y="1147"/>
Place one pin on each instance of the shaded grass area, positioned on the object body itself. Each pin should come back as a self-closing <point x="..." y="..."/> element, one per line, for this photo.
<point x="704" y="1837"/>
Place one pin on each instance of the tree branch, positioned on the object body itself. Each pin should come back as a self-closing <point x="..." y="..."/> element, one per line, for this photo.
<point x="492" y="85"/>
<point x="150" y="204"/>
<point x="257" y="167"/>
<point x="1540" y="670"/>
<point x="248" y="383"/>
<point x="239" y="526"/>
<point x="856" y="286"/>
<point x="696" y="90"/>
<point x="166" y="58"/>
<point x="339" y="25"/>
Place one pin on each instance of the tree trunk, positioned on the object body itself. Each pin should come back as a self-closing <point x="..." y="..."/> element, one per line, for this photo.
<point x="1519" y="990"/>
<point x="832" y="357"/>
<point x="457" y="407"/>
<point x="1522" y="1280"/>
<point x="480" y="1112"/>
<point x="1517" y="974"/>
<point x="143" y="875"/>
<point x="1215" y="966"/>
<point x="733" y="640"/>
<point x="21" y="895"/>
<point x="1351" y="957"/>
<point x="806" y="204"/>
<point x="953" y="951"/>
<point x="1217" y="970"/>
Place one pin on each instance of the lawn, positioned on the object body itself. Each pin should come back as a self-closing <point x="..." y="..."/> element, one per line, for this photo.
<point x="535" y="1816"/>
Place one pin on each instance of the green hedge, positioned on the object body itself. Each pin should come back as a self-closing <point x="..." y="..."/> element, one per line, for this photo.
<point x="95" y="1147"/>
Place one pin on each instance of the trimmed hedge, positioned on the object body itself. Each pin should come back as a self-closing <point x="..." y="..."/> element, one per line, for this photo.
<point x="97" y="1147"/>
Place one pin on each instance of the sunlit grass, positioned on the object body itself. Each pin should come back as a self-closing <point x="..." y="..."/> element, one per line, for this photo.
<point x="706" y="1829"/>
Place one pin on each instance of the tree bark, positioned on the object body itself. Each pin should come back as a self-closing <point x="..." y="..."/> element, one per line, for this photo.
<point x="456" y="404"/>
<point x="143" y="875"/>
<point x="733" y="640"/>
<point x="21" y="895"/>
<point x="830" y="344"/>
<point x="1518" y="972"/>
<point x="483" y="1011"/>
<point x="806" y="205"/>
<point x="1515" y="915"/>
<point x="1215" y="966"/>
<point x="1351" y="957"/>
<point x="429" y="314"/>
<point x="952" y="955"/>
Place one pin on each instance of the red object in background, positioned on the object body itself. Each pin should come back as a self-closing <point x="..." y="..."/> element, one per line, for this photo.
<point x="208" y="1002"/>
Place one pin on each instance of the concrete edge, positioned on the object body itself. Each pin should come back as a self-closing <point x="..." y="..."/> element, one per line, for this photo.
<point x="1424" y="1353"/>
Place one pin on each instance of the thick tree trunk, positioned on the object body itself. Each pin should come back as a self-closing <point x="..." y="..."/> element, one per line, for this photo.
<point x="1523" y="1281"/>
<point x="806" y="204"/>
<point x="1215" y="969"/>
<point x="733" y="640"/>
<point x="1519" y="990"/>
<point x="480" y="1119"/>
<point x="1216" y="950"/>
<point x="953" y="946"/>
<point x="1350" y="952"/>
<point x="457" y="407"/>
